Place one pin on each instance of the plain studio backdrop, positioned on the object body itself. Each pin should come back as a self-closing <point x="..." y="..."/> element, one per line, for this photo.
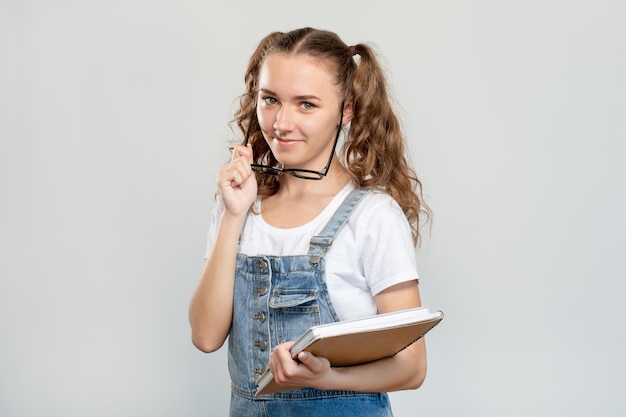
<point x="113" y="124"/>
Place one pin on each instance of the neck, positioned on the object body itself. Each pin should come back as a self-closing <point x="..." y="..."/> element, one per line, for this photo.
<point x="336" y="178"/>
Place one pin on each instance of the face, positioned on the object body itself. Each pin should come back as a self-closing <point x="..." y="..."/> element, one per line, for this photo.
<point x="298" y="108"/>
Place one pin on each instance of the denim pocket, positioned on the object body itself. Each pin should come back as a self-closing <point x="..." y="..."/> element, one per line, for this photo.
<point x="294" y="311"/>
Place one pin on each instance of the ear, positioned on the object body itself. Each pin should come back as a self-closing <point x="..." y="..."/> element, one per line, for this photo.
<point x="348" y="110"/>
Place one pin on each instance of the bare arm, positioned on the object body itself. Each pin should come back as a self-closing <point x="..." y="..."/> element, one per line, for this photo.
<point x="406" y="370"/>
<point x="211" y="307"/>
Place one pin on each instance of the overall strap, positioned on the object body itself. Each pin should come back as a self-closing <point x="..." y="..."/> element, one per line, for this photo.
<point x="320" y="243"/>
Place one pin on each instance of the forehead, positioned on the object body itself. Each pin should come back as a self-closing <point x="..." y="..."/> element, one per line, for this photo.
<point x="297" y="75"/>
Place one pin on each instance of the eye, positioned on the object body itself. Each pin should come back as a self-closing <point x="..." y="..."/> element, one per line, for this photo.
<point x="269" y="100"/>
<point x="307" y="106"/>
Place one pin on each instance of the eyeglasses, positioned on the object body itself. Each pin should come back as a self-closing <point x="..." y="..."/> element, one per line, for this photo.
<point x="305" y="174"/>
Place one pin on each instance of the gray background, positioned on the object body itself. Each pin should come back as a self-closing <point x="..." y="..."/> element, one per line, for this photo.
<point x="113" y="123"/>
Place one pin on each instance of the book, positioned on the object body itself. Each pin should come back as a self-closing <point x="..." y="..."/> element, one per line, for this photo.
<point x="358" y="341"/>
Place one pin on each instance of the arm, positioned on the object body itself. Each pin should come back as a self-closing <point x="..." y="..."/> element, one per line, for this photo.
<point x="210" y="310"/>
<point x="406" y="370"/>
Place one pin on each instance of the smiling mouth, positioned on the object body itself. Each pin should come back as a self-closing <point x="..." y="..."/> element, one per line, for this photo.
<point x="286" y="141"/>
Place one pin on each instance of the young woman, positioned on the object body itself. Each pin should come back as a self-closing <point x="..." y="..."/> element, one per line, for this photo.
<point x="301" y="236"/>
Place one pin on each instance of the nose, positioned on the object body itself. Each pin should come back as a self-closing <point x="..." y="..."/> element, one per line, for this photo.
<point x="284" y="121"/>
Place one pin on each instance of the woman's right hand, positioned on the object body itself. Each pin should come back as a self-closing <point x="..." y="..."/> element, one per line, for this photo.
<point x="211" y="307"/>
<point x="237" y="182"/>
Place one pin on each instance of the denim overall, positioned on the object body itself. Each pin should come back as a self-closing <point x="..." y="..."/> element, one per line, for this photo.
<point x="275" y="300"/>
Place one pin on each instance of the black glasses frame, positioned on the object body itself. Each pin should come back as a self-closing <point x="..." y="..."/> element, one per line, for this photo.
<point x="306" y="174"/>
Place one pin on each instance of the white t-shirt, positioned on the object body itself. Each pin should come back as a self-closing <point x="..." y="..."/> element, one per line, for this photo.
<point x="372" y="252"/>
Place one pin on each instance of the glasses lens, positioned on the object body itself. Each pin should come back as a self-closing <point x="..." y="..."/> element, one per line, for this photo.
<point x="266" y="170"/>
<point x="306" y="175"/>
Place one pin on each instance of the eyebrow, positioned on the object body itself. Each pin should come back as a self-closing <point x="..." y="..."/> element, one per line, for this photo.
<point x="302" y="97"/>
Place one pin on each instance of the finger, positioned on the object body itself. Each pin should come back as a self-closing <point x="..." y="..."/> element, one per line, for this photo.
<point x="244" y="152"/>
<point x="282" y="365"/>
<point x="236" y="178"/>
<point x="234" y="174"/>
<point x="287" y="345"/>
<point x="282" y="356"/>
<point x="313" y="363"/>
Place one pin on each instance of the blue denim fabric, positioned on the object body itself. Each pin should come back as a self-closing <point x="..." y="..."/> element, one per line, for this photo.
<point x="342" y="405"/>
<point x="276" y="299"/>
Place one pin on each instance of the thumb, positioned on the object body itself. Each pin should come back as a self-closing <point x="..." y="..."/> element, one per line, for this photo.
<point x="313" y="363"/>
<point x="251" y="153"/>
<point x="241" y="151"/>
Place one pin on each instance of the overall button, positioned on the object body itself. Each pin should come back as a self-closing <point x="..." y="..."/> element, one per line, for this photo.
<point x="260" y="316"/>
<point x="262" y="290"/>
<point x="262" y="264"/>
<point x="261" y="344"/>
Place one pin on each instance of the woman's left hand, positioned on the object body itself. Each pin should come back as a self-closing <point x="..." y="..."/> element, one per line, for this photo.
<point x="307" y="371"/>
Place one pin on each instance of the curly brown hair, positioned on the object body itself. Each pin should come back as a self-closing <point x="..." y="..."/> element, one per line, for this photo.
<point x="374" y="150"/>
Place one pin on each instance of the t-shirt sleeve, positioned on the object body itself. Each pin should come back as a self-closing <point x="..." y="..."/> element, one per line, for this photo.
<point x="388" y="253"/>
<point x="216" y="213"/>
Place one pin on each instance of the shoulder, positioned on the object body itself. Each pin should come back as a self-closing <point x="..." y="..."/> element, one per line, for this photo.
<point x="379" y="218"/>
<point x="378" y="205"/>
<point x="379" y="241"/>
